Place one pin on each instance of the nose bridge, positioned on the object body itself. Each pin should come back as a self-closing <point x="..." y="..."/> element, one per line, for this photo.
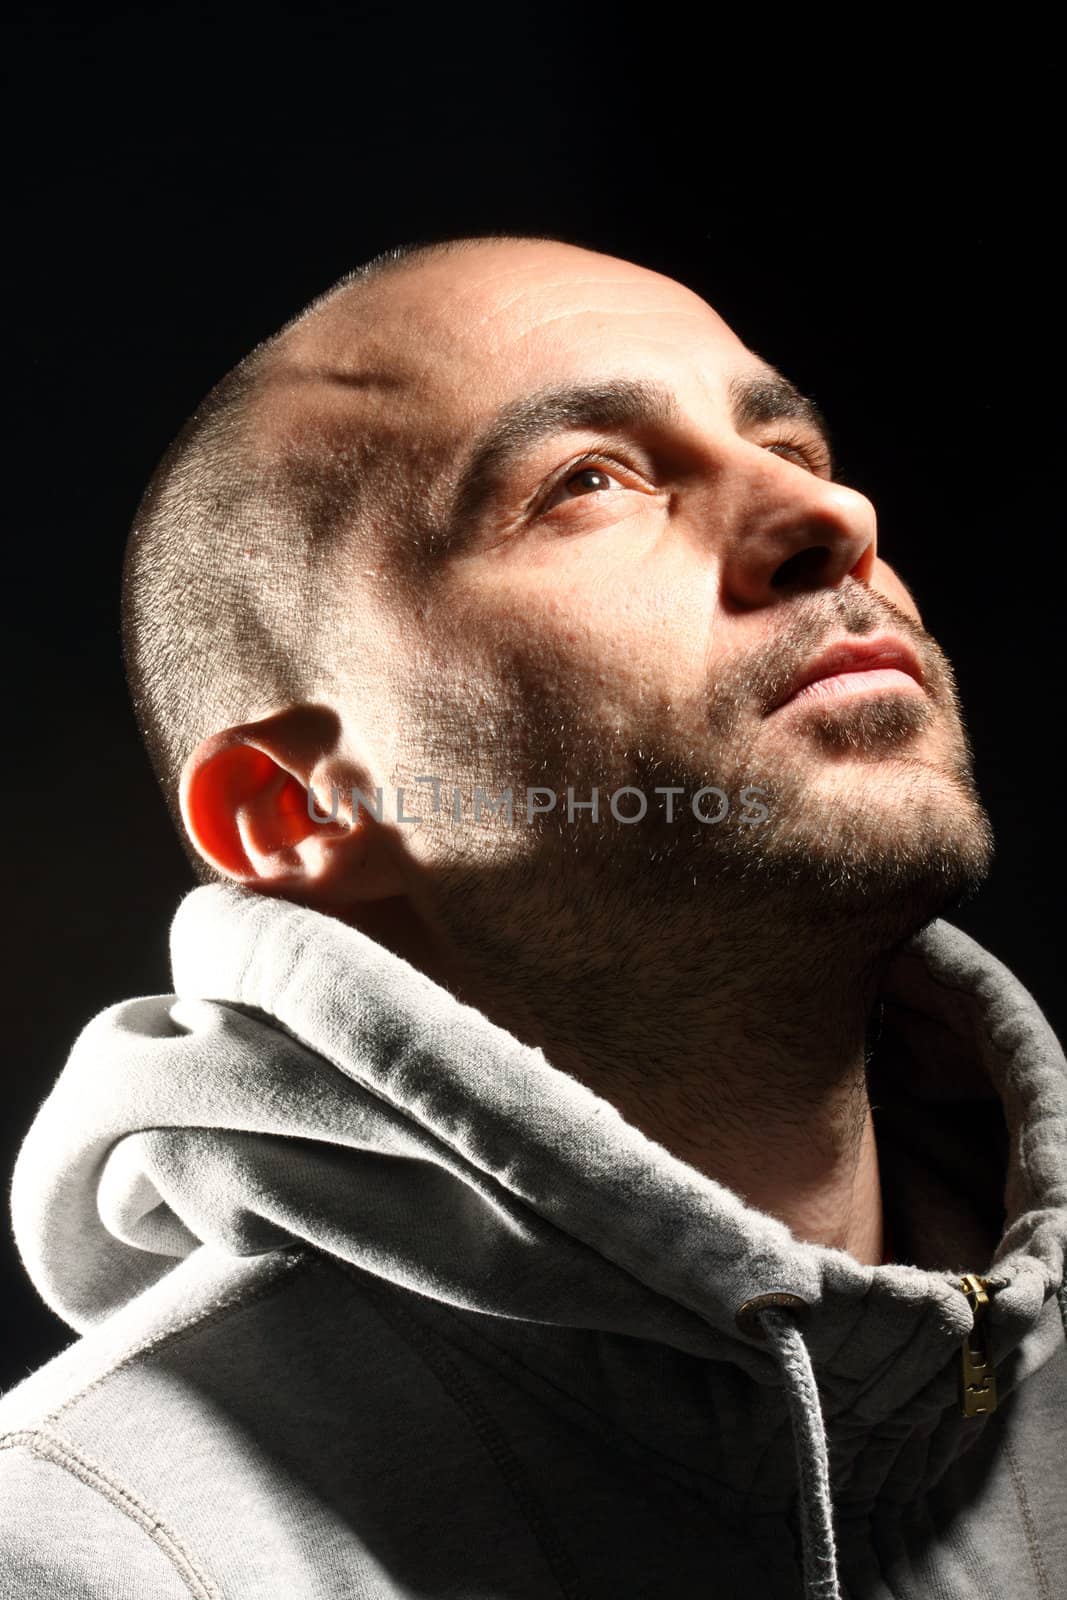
<point x="789" y="530"/>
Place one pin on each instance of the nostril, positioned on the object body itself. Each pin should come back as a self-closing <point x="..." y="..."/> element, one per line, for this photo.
<point x="807" y="566"/>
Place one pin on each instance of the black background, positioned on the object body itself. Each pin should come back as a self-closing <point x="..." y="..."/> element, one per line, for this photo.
<point x="873" y="215"/>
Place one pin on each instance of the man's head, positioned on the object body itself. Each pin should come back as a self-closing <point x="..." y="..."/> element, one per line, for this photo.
<point x="512" y="514"/>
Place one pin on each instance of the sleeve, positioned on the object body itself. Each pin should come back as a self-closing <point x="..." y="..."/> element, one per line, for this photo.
<point x="62" y="1538"/>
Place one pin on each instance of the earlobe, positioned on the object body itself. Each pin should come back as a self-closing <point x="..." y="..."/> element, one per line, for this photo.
<point x="250" y="816"/>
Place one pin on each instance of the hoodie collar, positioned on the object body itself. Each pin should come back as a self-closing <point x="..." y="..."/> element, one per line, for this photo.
<point x="968" y="1067"/>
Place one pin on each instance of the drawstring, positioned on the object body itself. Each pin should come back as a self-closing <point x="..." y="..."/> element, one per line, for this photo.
<point x="764" y="1318"/>
<point x="813" y="1457"/>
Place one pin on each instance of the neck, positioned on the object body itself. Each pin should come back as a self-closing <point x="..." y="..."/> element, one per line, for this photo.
<point x="740" y="1050"/>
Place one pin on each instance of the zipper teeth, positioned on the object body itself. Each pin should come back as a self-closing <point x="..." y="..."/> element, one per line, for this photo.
<point x="978" y="1383"/>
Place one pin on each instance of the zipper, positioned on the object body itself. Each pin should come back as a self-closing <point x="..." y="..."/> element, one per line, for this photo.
<point x="978" y="1383"/>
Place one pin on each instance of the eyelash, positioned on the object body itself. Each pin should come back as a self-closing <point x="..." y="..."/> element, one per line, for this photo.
<point x="815" y="459"/>
<point x="815" y="455"/>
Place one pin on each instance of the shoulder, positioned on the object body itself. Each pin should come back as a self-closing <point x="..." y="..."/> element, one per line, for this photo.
<point x="95" y="1444"/>
<point x="193" y="1301"/>
<point x="67" y="1527"/>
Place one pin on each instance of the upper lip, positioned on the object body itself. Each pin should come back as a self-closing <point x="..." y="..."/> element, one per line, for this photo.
<point x="855" y="655"/>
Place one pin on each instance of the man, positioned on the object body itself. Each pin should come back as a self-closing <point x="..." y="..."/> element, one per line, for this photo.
<point x="578" y="1158"/>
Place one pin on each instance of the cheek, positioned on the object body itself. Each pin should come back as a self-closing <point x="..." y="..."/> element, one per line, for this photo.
<point x="590" y="640"/>
<point x="886" y="582"/>
<point x="588" y="643"/>
<point x="640" y="631"/>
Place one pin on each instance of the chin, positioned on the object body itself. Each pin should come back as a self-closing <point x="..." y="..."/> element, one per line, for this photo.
<point x="905" y="851"/>
<point x="907" y="876"/>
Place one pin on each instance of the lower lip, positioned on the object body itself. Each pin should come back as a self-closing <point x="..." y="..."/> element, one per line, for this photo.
<point x="843" y="684"/>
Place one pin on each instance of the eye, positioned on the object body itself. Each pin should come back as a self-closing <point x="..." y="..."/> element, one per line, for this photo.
<point x="806" y="452"/>
<point x="588" y="477"/>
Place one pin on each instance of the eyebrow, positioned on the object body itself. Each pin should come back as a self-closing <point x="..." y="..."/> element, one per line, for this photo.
<point x="630" y="403"/>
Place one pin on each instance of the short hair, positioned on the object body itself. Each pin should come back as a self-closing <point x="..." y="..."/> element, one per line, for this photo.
<point x="235" y="596"/>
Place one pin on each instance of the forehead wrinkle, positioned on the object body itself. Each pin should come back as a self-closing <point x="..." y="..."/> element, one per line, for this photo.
<point x="579" y="270"/>
<point x="552" y="318"/>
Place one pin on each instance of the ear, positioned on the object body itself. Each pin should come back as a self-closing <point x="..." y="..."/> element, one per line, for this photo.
<point x="247" y="796"/>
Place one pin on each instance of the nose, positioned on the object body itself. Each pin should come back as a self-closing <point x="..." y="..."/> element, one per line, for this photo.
<point x="792" y="531"/>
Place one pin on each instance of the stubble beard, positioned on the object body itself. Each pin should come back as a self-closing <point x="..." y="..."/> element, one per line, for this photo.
<point x="874" y="827"/>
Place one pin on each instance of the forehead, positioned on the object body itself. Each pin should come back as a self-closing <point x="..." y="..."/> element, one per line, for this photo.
<point x="440" y="346"/>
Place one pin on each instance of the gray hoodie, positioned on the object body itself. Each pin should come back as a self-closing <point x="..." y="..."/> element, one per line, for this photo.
<point x="373" y="1301"/>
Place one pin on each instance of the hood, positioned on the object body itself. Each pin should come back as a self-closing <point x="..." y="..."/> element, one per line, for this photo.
<point x="304" y="1084"/>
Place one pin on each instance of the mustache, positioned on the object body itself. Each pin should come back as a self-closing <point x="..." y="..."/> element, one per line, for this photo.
<point x="810" y="622"/>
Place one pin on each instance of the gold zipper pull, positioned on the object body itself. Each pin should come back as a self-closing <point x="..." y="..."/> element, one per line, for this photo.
<point x="978" y="1386"/>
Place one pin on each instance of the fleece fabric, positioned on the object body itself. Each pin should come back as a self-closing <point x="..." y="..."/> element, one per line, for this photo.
<point x="372" y="1301"/>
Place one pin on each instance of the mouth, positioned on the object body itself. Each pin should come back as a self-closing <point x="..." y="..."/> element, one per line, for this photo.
<point x="877" y="665"/>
